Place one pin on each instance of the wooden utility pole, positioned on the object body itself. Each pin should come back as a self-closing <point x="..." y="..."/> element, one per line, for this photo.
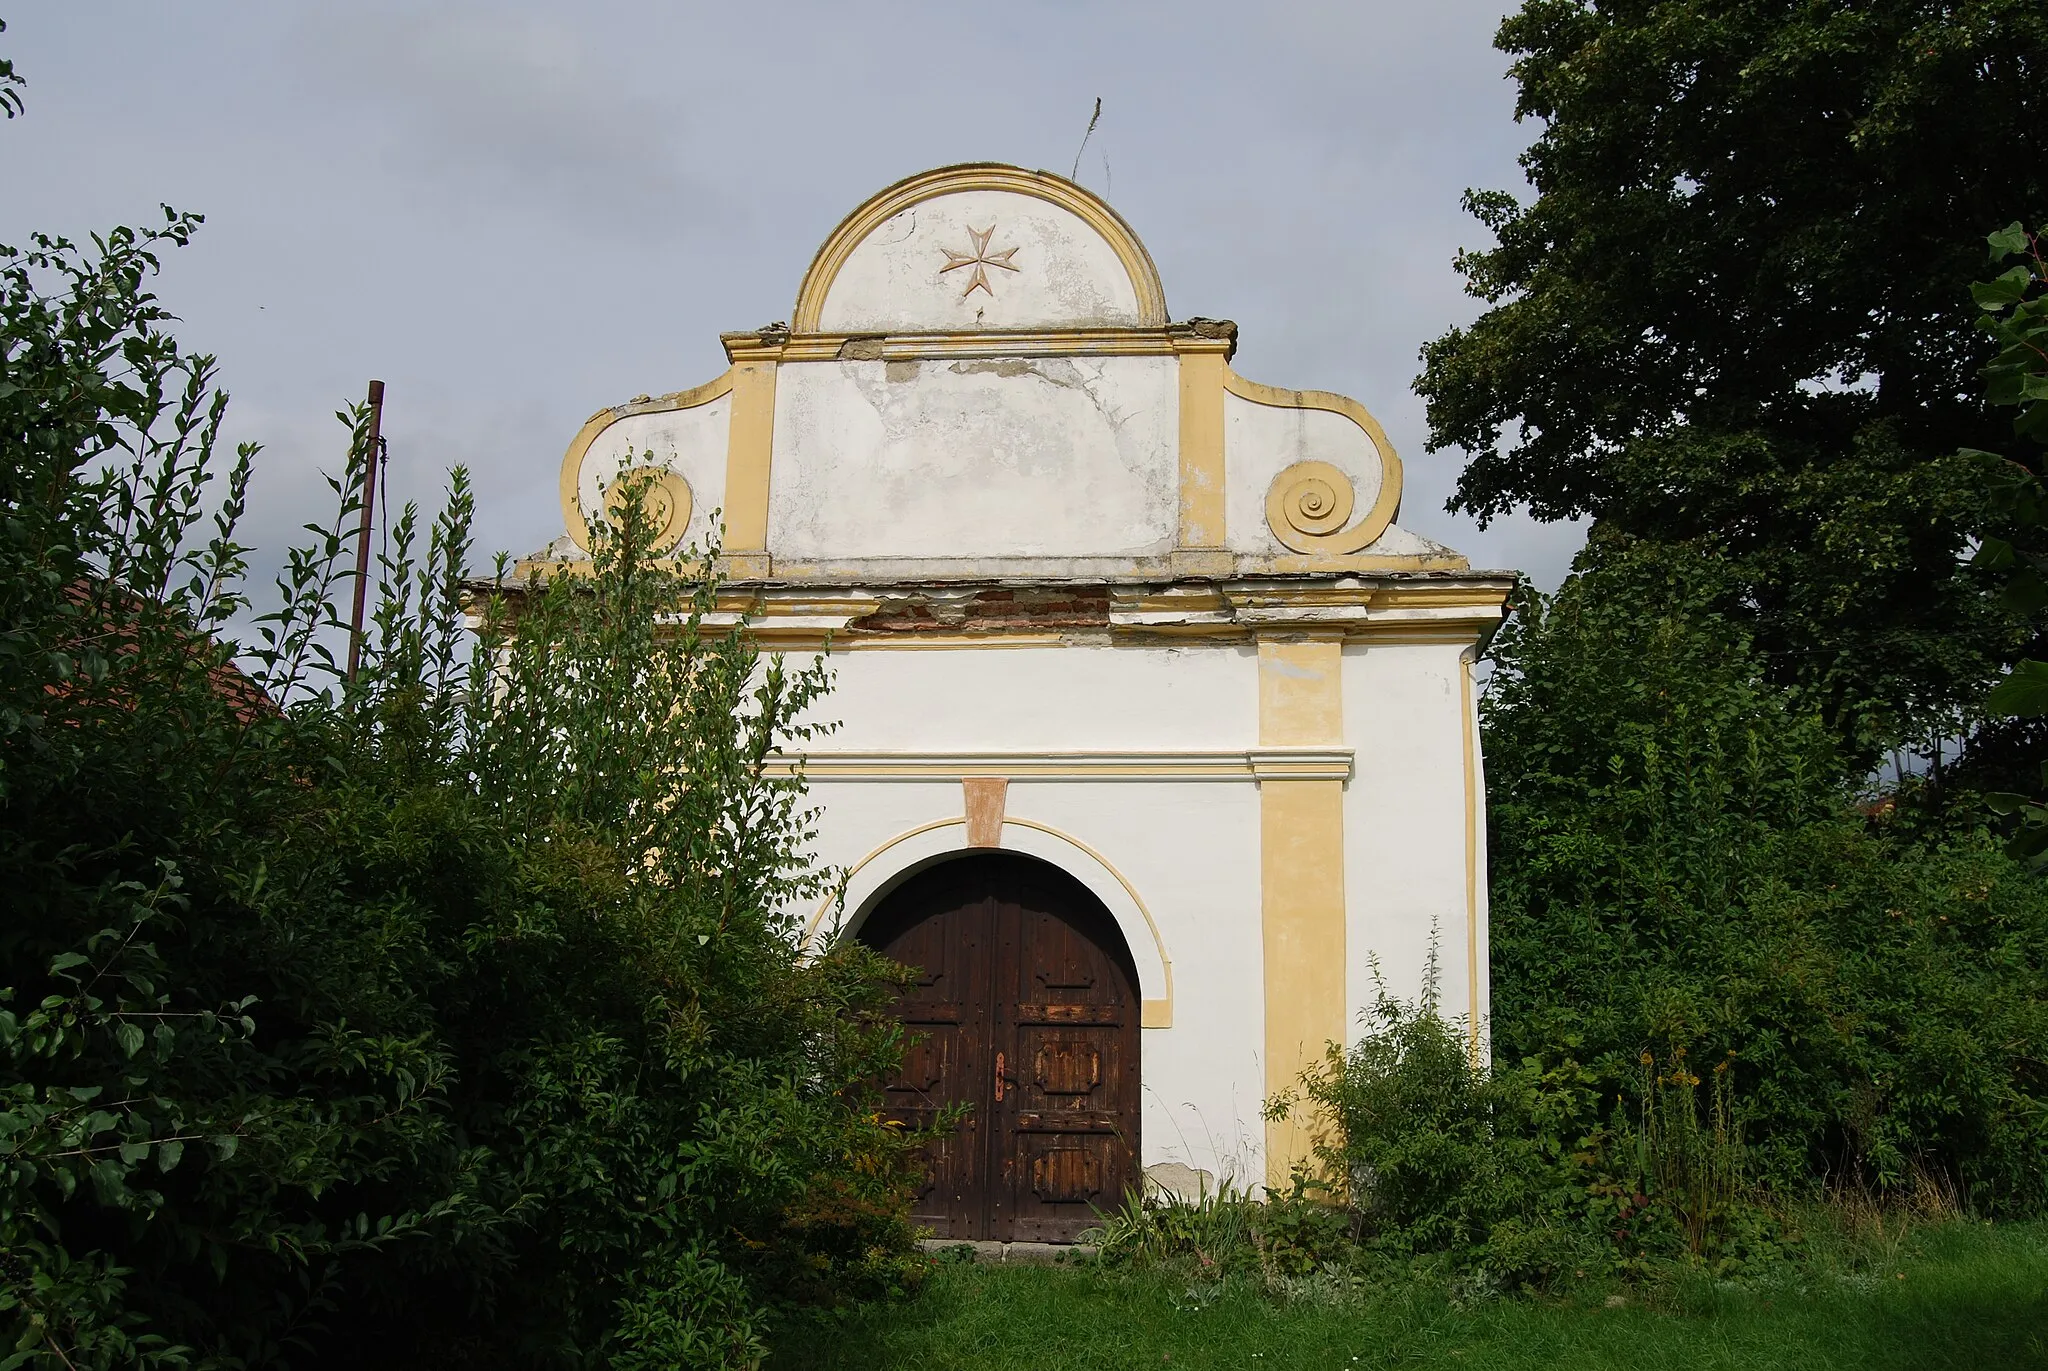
<point x="371" y="456"/>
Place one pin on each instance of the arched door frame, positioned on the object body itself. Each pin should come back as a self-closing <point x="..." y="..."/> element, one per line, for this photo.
<point x="912" y="851"/>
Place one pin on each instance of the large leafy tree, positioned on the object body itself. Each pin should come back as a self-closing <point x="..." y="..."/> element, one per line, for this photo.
<point x="1735" y="317"/>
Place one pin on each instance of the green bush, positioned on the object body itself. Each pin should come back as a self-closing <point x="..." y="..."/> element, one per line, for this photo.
<point x="451" y="1015"/>
<point x="1478" y="1171"/>
<point x="1487" y="1180"/>
<point x="1680" y="862"/>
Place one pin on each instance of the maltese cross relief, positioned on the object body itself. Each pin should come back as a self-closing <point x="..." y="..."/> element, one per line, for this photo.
<point x="980" y="259"/>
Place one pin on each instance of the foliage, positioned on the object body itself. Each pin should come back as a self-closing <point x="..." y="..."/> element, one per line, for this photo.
<point x="1512" y="1178"/>
<point x="1727" y="321"/>
<point x="1696" y="1163"/>
<point x="1281" y="1237"/>
<point x="2015" y="306"/>
<point x="452" y="1014"/>
<point x="1677" y="864"/>
<point x="1516" y="1178"/>
<point x="10" y="98"/>
<point x="1484" y="1170"/>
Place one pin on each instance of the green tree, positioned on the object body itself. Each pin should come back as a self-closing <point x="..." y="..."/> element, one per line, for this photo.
<point x="451" y="1015"/>
<point x="2015" y="316"/>
<point x="1677" y="864"/>
<point x="1729" y="319"/>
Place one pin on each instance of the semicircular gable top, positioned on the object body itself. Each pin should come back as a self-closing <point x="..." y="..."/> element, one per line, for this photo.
<point x="1015" y="249"/>
<point x="981" y="379"/>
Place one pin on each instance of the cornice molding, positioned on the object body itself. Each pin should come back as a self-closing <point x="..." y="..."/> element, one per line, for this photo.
<point x="1190" y="337"/>
<point x="1249" y="764"/>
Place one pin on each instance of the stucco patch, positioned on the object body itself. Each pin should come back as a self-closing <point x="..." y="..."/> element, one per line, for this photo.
<point x="984" y="797"/>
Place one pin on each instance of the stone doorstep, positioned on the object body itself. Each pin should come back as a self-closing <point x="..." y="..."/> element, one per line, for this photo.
<point x="1030" y="1253"/>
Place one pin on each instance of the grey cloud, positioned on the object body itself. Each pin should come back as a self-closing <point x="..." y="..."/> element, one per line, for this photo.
<point x="514" y="213"/>
<point x="517" y="108"/>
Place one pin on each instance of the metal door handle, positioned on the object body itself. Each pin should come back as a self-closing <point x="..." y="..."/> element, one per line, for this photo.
<point x="999" y="1075"/>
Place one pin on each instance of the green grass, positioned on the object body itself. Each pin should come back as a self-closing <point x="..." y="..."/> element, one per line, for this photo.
<point x="1972" y="1296"/>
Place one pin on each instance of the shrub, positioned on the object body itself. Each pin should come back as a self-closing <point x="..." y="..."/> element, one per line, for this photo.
<point x="1439" y="1159"/>
<point x="1680" y="862"/>
<point x="451" y="1014"/>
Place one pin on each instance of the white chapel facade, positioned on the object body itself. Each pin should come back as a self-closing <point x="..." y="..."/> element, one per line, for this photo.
<point x="1156" y="730"/>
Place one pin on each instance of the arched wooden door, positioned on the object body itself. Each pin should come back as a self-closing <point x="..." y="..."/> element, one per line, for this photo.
<point x="1025" y="1008"/>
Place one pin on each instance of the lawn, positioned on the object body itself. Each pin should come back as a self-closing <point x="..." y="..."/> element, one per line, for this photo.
<point x="1959" y="1295"/>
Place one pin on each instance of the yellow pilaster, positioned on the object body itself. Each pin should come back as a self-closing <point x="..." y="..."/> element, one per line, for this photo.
<point x="1201" y="449"/>
<point x="1301" y="882"/>
<point x="1199" y="548"/>
<point x="750" y="441"/>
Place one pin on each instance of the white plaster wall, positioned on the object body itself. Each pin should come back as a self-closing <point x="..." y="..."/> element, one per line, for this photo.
<point x="977" y="458"/>
<point x="1067" y="275"/>
<point x="1189" y="849"/>
<point x="1044" y="699"/>
<point x="1404" y="822"/>
<point x="689" y="442"/>
<point x="1191" y="852"/>
<point x="1261" y="441"/>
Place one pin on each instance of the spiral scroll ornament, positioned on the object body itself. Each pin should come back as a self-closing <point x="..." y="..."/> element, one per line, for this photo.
<point x="665" y="499"/>
<point x="1308" y="506"/>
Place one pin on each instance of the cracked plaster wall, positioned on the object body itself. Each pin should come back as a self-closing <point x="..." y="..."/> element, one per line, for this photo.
<point x="1044" y="457"/>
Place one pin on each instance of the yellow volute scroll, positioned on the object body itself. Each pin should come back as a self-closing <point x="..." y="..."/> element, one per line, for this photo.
<point x="665" y="499"/>
<point x="573" y="519"/>
<point x="1309" y="505"/>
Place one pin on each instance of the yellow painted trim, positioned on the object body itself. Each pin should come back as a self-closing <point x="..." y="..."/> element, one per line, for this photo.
<point x="572" y="461"/>
<point x="1152" y="1013"/>
<point x="1301" y="891"/>
<point x="1343" y="541"/>
<point x="1301" y="885"/>
<point x="674" y="523"/>
<point x="749" y="449"/>
<point x="1201" y="450"/>
<point x="1443" y="633"/>
<point x="1042" y="185"/>
<point x="825" y="905"/>
<point x="1468" y="727"/>
<point x="903" y="642"/>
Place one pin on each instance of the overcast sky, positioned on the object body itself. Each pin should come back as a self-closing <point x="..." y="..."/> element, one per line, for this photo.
<point x="517" y="214"/>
